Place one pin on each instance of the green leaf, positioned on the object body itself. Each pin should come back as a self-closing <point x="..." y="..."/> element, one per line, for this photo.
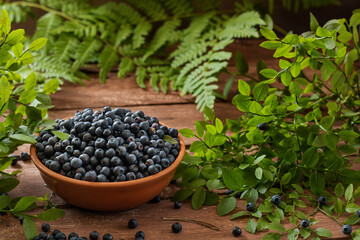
<point x="232" y="179"/>
<point x="317" y="183"/>
<point x="266" y="208"/>
<point x="51" y="214"/>
<point x="107" y="59"/>
<point x="15" y="37"/>
<point x="197" y="146"/>
<point x="85" y="51"/>
<point x="16" y="49"/>
<point x="209" y="113"/>
<point x="352" y="219"/>
<point x="323" y="232"/>
<point x="26" y="59"/>
<point x="355" y="19"/>
<point x="286" y="178"/>
<point x="276" y="227"/>
<point x="314" y="24"/>
<point x="305" y="233"/>
<point x="241" y="64"/>
<point x="251" y="226"/>
<point x="239" y="214"/>
<point x="267" y="33"/>
<point x="24" y="203"/>
<point x="352" y="208"/>
<point x="322" y="32"/>
<point x="186" y="132"/>
<point x="8" y="184"/>
<point x="349" y="192"/>
<point x="37" y="44"/>
<point x="219" y="125"/>
<point x="168" y="138"/>
<point x="188" y="159"/>
<point x="29" y="227"/>
<point x="211" y="198"/>
<point x="348" y="149"/>
<point x="226" y="205"/>
<point x="242" y="102"/>
<point x="286" y="78"/>
<point x="61" y="135"/>
<point x="271" y="45"/>
<point x="126" y="65"/>
<point x="182" y="194"/>
<point x="30" y="82"/>
<point x="51" y="86"/>
<point x="243" y="88"/>
<point x="339" y="190"/>
<point x="327" y="122"/>
<point x="348" y="135"/>
<point x="198" y="198"/>
<point x="4" y="201"/>
<point x="27" y="96"/>
<point x="269" y="73"/>
<point x="272" y="236"/>
<point x="228" y="86"/>
<point x="5" y="89"/>
<point x="310" y="157"/>
<point x="260" y="91"/>
<point x="5" y="21"/>
<point x="293" y="234"/>
<point x="23" y="138"/>
<point x="258" y="173"/>
<point x="281" y="51"/>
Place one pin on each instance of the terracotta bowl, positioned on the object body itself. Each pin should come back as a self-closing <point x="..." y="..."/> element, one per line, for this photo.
<point x="110" y="196"/>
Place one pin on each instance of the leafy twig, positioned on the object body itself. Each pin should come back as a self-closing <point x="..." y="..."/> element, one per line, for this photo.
<point x="201" y="223"/>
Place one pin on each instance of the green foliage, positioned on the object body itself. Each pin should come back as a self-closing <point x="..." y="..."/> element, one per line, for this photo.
<point x="166" y="42"/>
<point x="24" y="100"/>
<point x="309" y="141"/>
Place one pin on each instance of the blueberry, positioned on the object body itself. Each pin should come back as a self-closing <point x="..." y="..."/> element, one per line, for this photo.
<point x="21" y="220"/>
<point x="305" y="223"/>
<point x="108" y="236"/>
<point x="160" y="133"/>
<point x="39" y="147"/>
<point x="276" y="199"/>
<point x="90" y="176"/>
<point x="358" y="213"/>
<point x="165" y="163"/>
<point x="45" y="227"/>
<point x="134" y="127"/>
<point x="24" y="156"/>
<point x="322" y="200"/>
<point x="76" y="163"/>
<point x="79" y="127"/>
<point x="160" y="143"/>
<point x="250" y="207"/>
<point x="130" y="176"/>
<point x="177" y="205"/>
<point x="262" y="126"/>
<point x="60" y="235"/>
<point x="69" y="149"/>
<point x="94" y="235"/>
<point x="76" y="142"/>
<point x="101" y="178"/>
<point x="125" y="133"/>
<point x="152" y="170"/>
<point x="73" y="234"/>
<point x="121" y="151"/>
<point x="176" y="227"/>
<point x="140" y="235"/>
<point x="55" y="232"/>
<point x="156" y="199"/>
<point x="49" y="150"/>
<point x="106" y="171"/>
<point x="110" y="153"/>
<point x="42" y="235"/>
<point x="144" y="125"/>
<point x="132" y="223"/>
<point x="99" y="131"/>
<point x="99" y="153"/>
<point x="236" y="231"/>
<point x="114" y="161"/>
<point x="173" y="132"/>
<point x="347" y="229"/>
<point x="130" y="159"/>
<point x="112" y="143"/>
<point x="55" y="166"/>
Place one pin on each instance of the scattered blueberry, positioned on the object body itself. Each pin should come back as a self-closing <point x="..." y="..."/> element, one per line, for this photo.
<point x="236" y="231"/>
<point x="262" y="126"/>
<point x="140" y="235"/>
<point x="107" y="236"/>
<point x="358" y="213"/>
<point x="305" y="223"/>
<point x="250" y="207"/>
<point x="347" y="229"/>
<point x="276" y="199"/>
<point x="177" y="205"/>
<point x="24" y="156"/>
<point x="45" y="227"/>
<point x="322" y="200"/>
<point x="108" y="138"/>
<point x="132" y="223"/>
<point x="94" y="235"/>
<point x="155" y="199"/>
<point x="176" y="227"/>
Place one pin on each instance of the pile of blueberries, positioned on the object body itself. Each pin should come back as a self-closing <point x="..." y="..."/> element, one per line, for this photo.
<point x="108" y="146"/>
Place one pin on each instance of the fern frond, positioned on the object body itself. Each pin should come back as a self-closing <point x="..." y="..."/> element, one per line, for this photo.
<point x="130" y="14"/>
<point x="107" y="59"/>
<point x="179" y="7"/>
<point x="64" y="48"/>
<point x="154" y="80"/>
<point x="128" y="50"/>
<point x="162" y="35"/>
<point x="46" y="24"/>
<point x="220" y="56"/>
<point x="126" y="65"/>
<point x="152" y="8"/>
<point x="109" y="10"/>
<point x="15" y="12"/>
<point x="140" y="32"/>
<point x="141" y="76"/>
<point x="196" y="27"/>
<point x="164" y="82"/>
<point x="185" y="54"/>
<point x="85" y="51"/>
<point x="123" y="33"/>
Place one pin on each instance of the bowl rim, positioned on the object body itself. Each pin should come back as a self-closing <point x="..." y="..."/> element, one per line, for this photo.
<point x="84" y="183"/>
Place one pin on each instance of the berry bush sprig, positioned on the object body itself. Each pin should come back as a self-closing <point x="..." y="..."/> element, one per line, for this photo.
<point x="24" y="100"/>
<point x="296" y="140"/>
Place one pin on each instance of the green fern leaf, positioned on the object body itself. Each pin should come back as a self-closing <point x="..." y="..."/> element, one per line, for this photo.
<point x="179" y="7"/>
<point x="151" y="8"/>
<point x="164" y="82"/>
<point x="141" y="76"/>
<point x="85" y="51"/>
<point x="154" y="80"/>
<point x="16" y="13"/>
<point x="126" y="65"/>
<point x="64" y="48"/>
<point x="130" y="14"/>
<point x="140" y="32"/>
<point x="46" y="24"/>
<point x="124" y="32"/>
<point x="107" y="59"/>
<point x="128" y="50"/>
<point x="196" y="27"/>
<point x="162" y="35"/>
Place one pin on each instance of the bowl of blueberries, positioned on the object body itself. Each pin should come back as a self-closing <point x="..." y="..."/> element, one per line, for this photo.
<point x="108" y="160"/>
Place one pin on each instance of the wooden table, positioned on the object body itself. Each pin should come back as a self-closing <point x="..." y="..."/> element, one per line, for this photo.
<point x="171" y="109"/>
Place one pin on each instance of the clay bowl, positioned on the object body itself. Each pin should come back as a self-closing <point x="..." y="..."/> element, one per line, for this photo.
<point x="110" y="196"/>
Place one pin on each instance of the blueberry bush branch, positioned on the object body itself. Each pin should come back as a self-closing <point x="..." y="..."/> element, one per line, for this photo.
<point x="296" y="140"/>
<point x="24" y="100"/>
